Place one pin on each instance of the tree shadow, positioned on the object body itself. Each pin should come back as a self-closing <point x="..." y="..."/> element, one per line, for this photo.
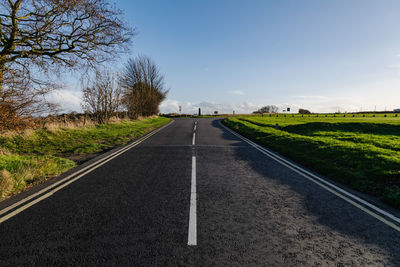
<point x="359" y="127"/>
<point x="328" y="209"/>
<point x="230" y="137"/>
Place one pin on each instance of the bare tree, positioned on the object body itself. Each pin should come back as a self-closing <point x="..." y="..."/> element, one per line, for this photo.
<point x="39" y="36"/>
<point x="54" y="32"/>
<point x="144" y="88"/>
<point x="102" y="97"/>
<point x="22" y="97"/>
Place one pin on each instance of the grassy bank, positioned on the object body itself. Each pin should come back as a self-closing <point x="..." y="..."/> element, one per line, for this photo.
<point x="361" y="152"/>
<point x="33" y="156"/>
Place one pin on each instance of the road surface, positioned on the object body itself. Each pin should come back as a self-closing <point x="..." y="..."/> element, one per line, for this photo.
<point x="218" y="202"/>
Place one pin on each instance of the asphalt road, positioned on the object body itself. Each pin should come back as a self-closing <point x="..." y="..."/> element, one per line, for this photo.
<point x="250" y="210"/>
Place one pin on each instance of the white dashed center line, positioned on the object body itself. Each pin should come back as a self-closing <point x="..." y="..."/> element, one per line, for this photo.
<point x="192" y="233"/>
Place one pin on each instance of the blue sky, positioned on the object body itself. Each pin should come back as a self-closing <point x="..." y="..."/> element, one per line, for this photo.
<point x="239" y="55"/>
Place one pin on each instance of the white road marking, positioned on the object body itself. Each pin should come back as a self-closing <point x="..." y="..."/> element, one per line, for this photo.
<point x="325" y="184"/>
<point x="192" y="233"/>
<point x="194" y="139"/>
<point x="82" y="172"/>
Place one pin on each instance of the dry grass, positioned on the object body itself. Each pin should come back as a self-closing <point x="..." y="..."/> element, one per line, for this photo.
<point x="9" y="134"/>
<point x="4" y="151"/>
<point x="117" y="119"/>
<point x="54" y="126"/>
<point x="6" y="183"/>
<point x="70" y="125"/>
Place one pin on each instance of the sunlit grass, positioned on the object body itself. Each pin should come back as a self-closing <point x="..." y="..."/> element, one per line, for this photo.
<point x="362" y="152"/>
<point x="79" y="140"/>
<point x="34" y="156"/>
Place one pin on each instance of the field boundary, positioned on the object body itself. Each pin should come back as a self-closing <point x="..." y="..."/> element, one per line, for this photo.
<point x="376" y="212"/>
<point x="46" y="192"/>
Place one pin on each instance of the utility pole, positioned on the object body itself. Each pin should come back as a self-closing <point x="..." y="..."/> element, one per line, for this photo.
<point x="199" y="112"/>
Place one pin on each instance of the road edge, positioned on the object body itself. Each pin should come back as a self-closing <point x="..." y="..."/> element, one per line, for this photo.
<point x="16" y="204"/>
<point x="384" y="216"/>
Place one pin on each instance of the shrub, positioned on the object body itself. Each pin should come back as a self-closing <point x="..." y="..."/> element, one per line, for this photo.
<point x="304" y="111"/>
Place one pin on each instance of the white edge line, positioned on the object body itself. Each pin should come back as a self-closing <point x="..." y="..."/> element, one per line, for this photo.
<point x="102" y="161"/>
<point x="313" y="178"/>
<point x="192" y="232"/>
<point x="377" y="209"/>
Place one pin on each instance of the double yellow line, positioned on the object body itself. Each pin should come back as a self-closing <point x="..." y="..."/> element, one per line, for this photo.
<point x="31" y="200"/>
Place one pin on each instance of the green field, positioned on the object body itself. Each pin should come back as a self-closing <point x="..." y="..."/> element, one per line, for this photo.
<point x="361" y="152"/>
<point x="28" y="158"/>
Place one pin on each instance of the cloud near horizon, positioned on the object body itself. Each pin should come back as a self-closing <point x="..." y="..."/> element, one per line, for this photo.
<point x="172" y="106"/>
<point x="70" y="100"/>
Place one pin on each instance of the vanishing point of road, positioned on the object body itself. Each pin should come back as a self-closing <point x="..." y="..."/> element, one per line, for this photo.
<point x="192" y="194"/>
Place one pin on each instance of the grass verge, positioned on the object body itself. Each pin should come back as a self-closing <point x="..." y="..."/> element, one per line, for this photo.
<point x="35" y="156"/>
<point x="363" y="153"/>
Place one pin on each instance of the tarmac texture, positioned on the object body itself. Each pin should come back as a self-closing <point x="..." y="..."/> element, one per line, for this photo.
<point x="251" y="211"/>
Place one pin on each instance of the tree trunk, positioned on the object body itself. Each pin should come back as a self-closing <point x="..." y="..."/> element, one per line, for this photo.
<point x="2" y="69"/>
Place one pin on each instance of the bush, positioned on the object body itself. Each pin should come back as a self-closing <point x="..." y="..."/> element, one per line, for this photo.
<point x="10" y="119"/>
<point x="304" y="111"/>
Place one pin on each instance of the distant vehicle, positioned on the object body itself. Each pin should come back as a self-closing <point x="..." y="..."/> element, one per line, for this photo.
<point x="396" y="110"/>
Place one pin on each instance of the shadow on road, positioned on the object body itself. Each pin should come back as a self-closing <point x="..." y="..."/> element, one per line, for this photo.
<point x="312" y="200"/>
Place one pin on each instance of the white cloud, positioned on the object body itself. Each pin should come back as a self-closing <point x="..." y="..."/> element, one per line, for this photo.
<point x="237" y="92"/>
<point x="68" y="100"/>
<point x="172" y="106"/>
<point x="169" y="106"/>
<point x="314" y="103"/>
<point x="331" y="104"/>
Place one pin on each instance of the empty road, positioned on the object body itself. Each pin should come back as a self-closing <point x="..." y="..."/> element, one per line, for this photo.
<point x="194" y="194"/>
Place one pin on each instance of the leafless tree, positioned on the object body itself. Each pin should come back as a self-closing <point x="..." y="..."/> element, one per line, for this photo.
<point x="54" y="32"/>
<point x="102" y="96"/>
<point x="22" y="97"/>
<point x="39" y="36"/>
<point x="144" y="87"/>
